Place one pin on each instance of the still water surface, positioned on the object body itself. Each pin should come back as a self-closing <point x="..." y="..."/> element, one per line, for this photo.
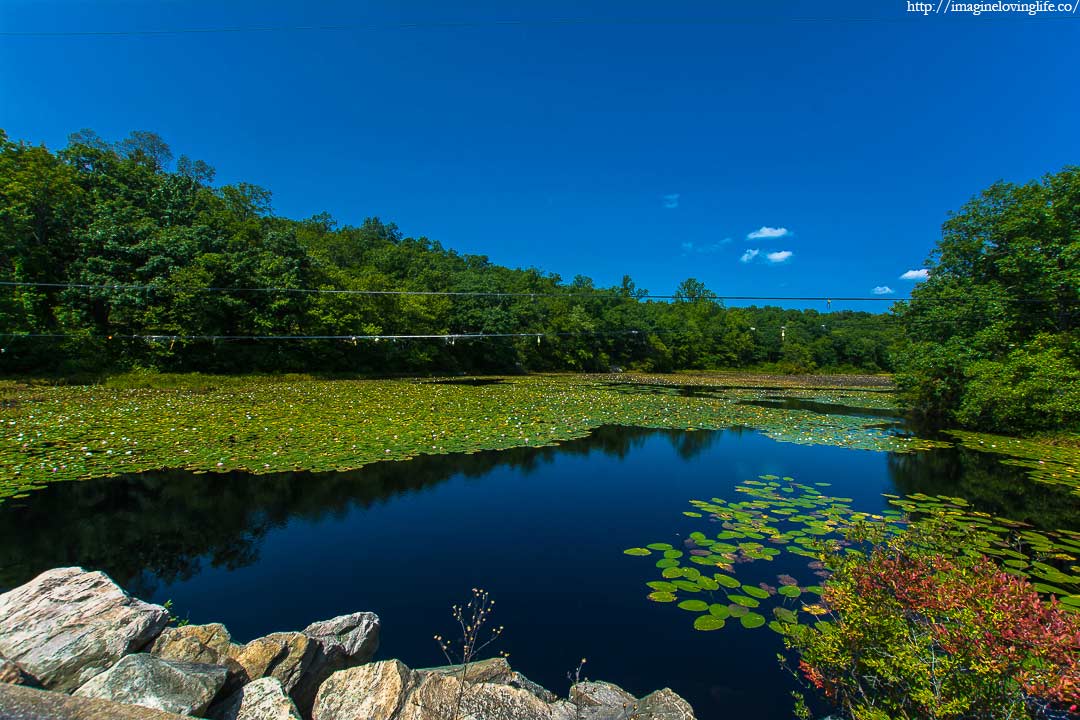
<point x="542" y="529"/>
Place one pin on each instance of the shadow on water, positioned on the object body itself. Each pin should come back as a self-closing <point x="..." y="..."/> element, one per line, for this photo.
<point x="161" y="527"/>
<point x="825" y="408"/>
<point x="542" y="528"/>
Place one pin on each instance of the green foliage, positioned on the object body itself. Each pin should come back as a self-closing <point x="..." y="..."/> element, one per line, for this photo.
<point x="268" y="424"/>
<point x="157" y="243"/>
<point x="781" y="516"/>
<point x="992" y="337"/>
<point x="922" y="627"/>
<point x="1034" y="387"/>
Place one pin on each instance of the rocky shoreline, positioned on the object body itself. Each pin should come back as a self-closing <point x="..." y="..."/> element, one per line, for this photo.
<point x="75" y="646"/>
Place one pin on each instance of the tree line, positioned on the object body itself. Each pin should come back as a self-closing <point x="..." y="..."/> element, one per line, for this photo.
<point x="992" y="339"/>
<point x="142" y="261"/>
<point x="134" y="259"/>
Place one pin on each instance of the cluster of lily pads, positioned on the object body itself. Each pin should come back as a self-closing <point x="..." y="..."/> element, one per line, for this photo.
<point x="716" y="575"/>
<point x="57" y="433"/>
<point x="1050" y="559"/>
<point x="780" y="517"/>
<point x="1045" y="463"/>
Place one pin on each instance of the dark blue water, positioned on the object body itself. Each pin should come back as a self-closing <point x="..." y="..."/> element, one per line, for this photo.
<point x="542" y="529"/>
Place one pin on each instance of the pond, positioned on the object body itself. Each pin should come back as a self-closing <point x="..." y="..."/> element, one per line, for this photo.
<point x="542" y="529"/>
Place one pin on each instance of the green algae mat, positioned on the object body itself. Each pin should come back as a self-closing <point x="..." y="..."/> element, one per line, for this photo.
<point x="266" y="425"/>
<point x="271" y="425"/>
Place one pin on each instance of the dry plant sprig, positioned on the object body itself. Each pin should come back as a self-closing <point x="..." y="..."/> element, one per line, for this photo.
<point x="472" y="619"/>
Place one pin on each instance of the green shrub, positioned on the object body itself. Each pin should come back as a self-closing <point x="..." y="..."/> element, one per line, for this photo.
<point x="917" y="633"/>
<point x="1036" y="387"/>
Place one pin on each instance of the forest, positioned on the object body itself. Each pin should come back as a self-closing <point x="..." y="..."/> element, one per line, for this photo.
<point x="115" y="256"/>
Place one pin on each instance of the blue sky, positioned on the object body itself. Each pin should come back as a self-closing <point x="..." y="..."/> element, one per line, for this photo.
<point x="632" y="142"/>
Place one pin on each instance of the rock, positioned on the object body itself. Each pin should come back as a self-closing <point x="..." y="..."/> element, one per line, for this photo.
<point x="388" y="690"/>
<point x="602" y="701"/>
<point x="339" y="643"/>
<point x="375" y="691"/>
<point x="21" y="703"/>
<point x="206" y="644"/>
<point x="194" y="643"/>
<point x="354" y="637"/>
<point x="67" y="625"/>
<point x="170" y="685"/>
<point x="439" y="696"/>
<point x="663" y="705"/>
<point x="285" y="656"/>
<point x="494" y="670"/>
<point x="263" y="699"/>
<point x="12" y="674"/>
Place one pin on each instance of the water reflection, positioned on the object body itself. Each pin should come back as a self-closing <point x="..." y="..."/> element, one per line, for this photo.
<point x="988" y="484"/>
<point x="542" y="528"/>
<point x="825" y="408"/>
<point x="160" y="527"/>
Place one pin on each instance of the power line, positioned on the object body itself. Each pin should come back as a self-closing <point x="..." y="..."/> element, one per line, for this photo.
<point x="446" y="293"/>
<point x="158" y="337"/>
<point x="597" y="295"/>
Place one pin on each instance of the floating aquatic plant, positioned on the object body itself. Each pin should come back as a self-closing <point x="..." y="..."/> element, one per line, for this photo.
<point x="265" y="426"/>
<point x="780" y="515"/>
<point x="1045" y="463"/>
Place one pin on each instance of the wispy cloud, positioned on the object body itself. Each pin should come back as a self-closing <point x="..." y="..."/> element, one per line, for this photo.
<point x="779" y="256"/>
<point x="883" y="290"/>
<point x="916" y="274"/>
<point x="768" y="233"/>
<point x="690" y="248"/>
<point x="671" y="201"/>
<point x="749" y="255"/>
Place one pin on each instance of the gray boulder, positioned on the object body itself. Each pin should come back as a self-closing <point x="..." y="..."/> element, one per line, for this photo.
<point x="602" y="701"/>
<point x="12" y="674"/>
<point x="22" y="703"/>
<point x="375" y="691"/>
<point x="299" y="661"/>
<point x="485" y="690"/>
<point x="67" y="625"/>
<point x="354" y="637"/>
<point x="286" y="656"/>
<point x="494" y="670"/>
<point x="663" y="705"/>
<point x="263" y="699"/>
<point x="169" y="685"/>
<point x="194" y="643"/>
<point x="442" y="696"/>
<point x="339" y="643"/>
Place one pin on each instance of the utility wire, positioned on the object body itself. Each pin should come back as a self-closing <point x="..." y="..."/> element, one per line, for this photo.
<point x="448" y="337"/>
<point x="438" y="293"/>
<point x="598" y="295"/>
<point x="159" y="337"/>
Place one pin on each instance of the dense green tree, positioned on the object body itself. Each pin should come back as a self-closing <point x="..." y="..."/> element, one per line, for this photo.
<point x="992" y="335"/>
<point x="166" y="270"/>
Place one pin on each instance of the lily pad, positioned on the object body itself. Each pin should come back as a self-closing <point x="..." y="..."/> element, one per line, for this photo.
<point x="752" y="620"/>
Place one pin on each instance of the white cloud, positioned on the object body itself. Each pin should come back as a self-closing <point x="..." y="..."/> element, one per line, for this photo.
<point x="916" y="274"/>
<point x="779" y="256"/>
<point x="769" y="233"/>
<point x="671" y="201"/>
<point x="883" y="290"/>
<point x="749" y="255"/>
<point x="689" y="247"/>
